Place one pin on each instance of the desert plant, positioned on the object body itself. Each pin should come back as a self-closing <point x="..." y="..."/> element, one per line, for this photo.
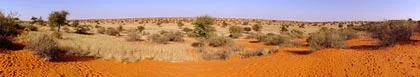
<point x="218" y="41"/>
<point x="247" y="29"/>
<point x="133" y="36"/>
<point x="175" y="36"/>
<point x="140" y="28"/>
<point x="391" y="32"/>
<point x="203" y="28"/>
<point x="8" y="24"/>
<point x="112" y="31"/>
<point x="101" y="30"/>
<point x="82" y="29"/>
<point x="33" y="20"/>
<point x="326" y="38"/>
<point x="348" y="33"/>
<point x="75" y="23"/>
<point x="157" y="38"/>
<point x="180" y="24"/>
<point x="257" y="27"/>
<point x="245" y="23"/>
<point x="58" y="18"/>
<point x="224" y="24"/>
<point x="284" y="29"/>
<point x="120" y="28"/>
<point x="45" y="47"/>
<point x="236" y="31"/>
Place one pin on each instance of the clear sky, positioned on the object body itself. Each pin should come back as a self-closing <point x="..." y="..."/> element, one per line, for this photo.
<point x="302" y="10"/>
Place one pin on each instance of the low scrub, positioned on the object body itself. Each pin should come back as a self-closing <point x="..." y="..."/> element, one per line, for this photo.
<point x="328" y="38"/>
<point x="157" y="38"/>
<point x="175" y="36"/>
<point x="45" y="47"/>
<point x="133" y="36"/>
<point x="391" y="32"/>
<point x="218" y="41"/>
<point x="112" y="31"/>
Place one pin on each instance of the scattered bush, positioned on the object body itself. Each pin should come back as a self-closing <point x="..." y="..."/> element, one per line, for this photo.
<point x="120" y="28"/>
<point x="236" y="31"/>
<point x="8" y="24"/>
<point x="82" y="29"/>
<point x="203" y="28"/>
<point x="57" y="18"/>
<point x="180" y="24"/>
<point x="133" y="36"/>
<point x="327" y="38"/>
<point x="175" y="36"/>
<point x="157" y="38"/>
<point x="140" y="28"/>
<point x="45" y="47"/>
<point x="348" y="33"/>
<point x="218" y="41"/>
<point x="32" y="28"/>
<point x="112" y="31"/>
<point x="391" y="32"/>
<point x="274" y="39"/>
<point x="257" y="27"/>
<point x="101" y="30"/>
<point x="247" y="29"/>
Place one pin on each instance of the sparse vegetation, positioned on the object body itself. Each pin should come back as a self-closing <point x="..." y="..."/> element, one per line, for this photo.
<point x="157" y="38"/>
<point x="180" y="24"/>
<point x="112" y="31"/>
<point x="218" y="41"/>
<point x="133" y="36"/>
<point x="247" y="29"/>
<point x="257" y="27"/>
<point x="175" y="36"/>
<point x="235" y="31"/>
<point x="58" y="18"/>
<point x="140" y="28"/>
<point x="45" y="47"/>
<point x="328" y="38"/>
<point x="391" y="32"/>
<point x="203" y="28"/>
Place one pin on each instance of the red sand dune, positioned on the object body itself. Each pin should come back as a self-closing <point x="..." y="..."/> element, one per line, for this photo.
<point x="360" y="60"/>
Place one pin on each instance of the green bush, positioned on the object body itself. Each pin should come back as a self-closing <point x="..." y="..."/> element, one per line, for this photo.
<point x="8" y="24"/>
<point x="45" y="47"/>
<point x="348" y="33"/>
<point x="257" y="27"/>
<point x="187" y="30"/>
<point x="218" y="41"/>
<point x="203" y="28"/>
<point x="236" y="31"/>
<point x="157" y="38"/>
<point x="140" y="28"/>
<point x="274" y="40"/>
<point x="326" y="38"/>
<point x="247" y="29"/>
<point x="391" y="32"/>
<point x="82" y="29"/>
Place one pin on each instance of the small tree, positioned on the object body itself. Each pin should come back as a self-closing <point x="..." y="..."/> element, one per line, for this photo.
<point x="203" y="28"/>
<point x="180" y="24"/>
<point x="41" y="21"/>
<point x="58" y="18"/>
<point x="257" y="27"/>
<point x="34" y="20"/>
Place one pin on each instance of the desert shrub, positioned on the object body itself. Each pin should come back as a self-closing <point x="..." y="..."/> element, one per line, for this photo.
<point x="45" y="47"/>
<point x="162" y="32"/>
<point x="218" y="41"/>
<point x="180" y="24"/>
<point x="295" y="33"/>
<point x="112" y="31"/>
<point x="245" y="23"/>
<point x="8" y="24"/>
<point x="257" y="27"/>
<point x="302" y="26"/>
<point x="391" y="32"/>
<point x="247" y="29"/>
<point x="260" y="52"/>
<point x="75" y="23"/>
<point x="101" y="30"/>
<point x="326" y="38"/>
<point x="5" y="42"/>
<point x="187" y="30"/>
<point x="133" y="36"/>
<point x="348" y="33"/>
<point x="284" y="29"/>
<point x="175" y="36"/>
<point x="224" y="24"/>
<point x="203" y="28"/>
<point x="236" y="31"/>
<point x="82" y="29"/>
<point x="140" y="28"/>
<point x="120" y="28"/>
<point x="157" y="38"/>
<point x="274" y="39"/>
<point x="198" y="44"/>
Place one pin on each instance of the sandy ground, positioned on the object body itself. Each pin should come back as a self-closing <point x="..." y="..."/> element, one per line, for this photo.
<point x="360" y="60"/>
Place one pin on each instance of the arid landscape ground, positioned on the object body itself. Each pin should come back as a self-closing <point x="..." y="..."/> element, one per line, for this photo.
<point x="91" y="53"/>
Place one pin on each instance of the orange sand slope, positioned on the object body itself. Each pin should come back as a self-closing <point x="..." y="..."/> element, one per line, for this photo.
<point x="359" y="61"/>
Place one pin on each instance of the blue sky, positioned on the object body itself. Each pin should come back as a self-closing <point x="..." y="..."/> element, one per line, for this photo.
<point x="302" y="10"/>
